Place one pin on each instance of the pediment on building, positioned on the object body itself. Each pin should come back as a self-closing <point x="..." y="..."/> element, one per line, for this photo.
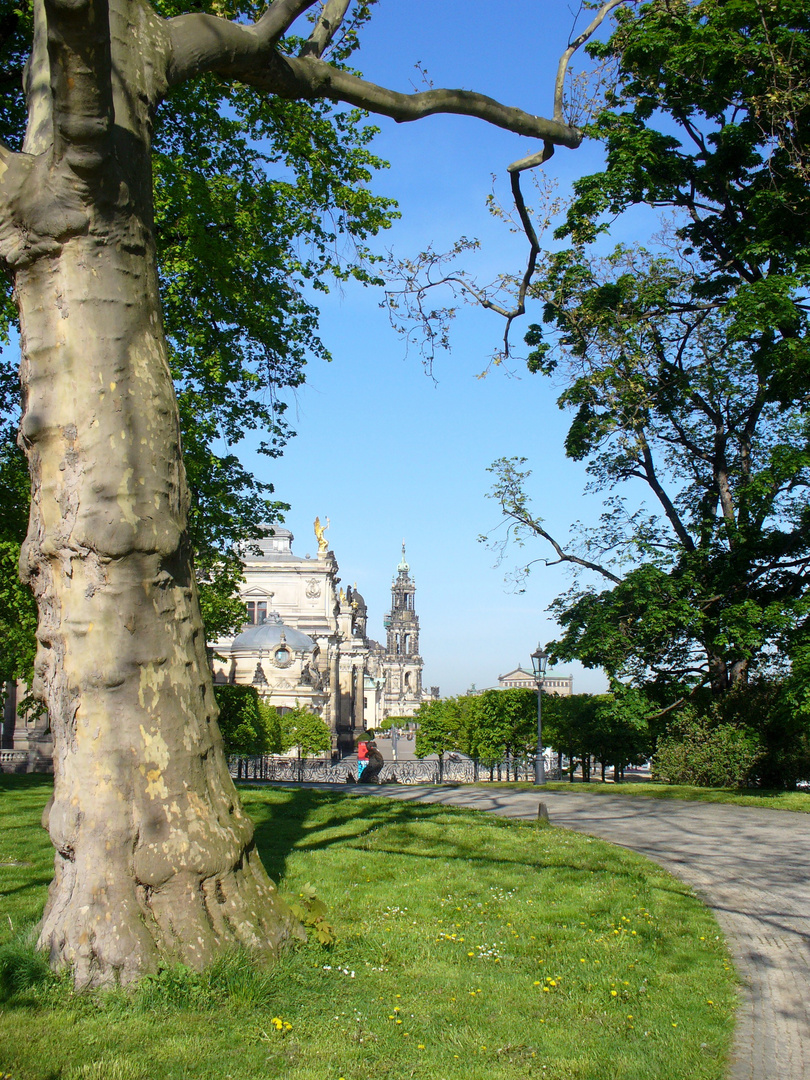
<point x="518" y="673"/>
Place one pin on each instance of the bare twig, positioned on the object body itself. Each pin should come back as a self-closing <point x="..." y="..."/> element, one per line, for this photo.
<point x="577" y="43"/>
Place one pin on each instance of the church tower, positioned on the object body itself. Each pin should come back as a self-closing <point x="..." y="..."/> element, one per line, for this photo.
<point x="402" y="662"/>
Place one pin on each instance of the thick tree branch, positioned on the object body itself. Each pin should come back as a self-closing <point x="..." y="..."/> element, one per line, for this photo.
<point x="651" y="478"/>
<point x="201" y="43"/>
<point x="316" y="79"/>
<point x="280" y="16"/>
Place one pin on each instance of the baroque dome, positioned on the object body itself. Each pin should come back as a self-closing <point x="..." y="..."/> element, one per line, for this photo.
<point x="271" y="633"/>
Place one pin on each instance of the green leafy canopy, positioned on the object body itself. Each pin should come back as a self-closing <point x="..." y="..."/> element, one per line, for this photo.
<point x="684" y="360"/>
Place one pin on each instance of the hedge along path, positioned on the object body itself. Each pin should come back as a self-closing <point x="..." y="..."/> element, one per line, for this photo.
<point x="751" y="866"/>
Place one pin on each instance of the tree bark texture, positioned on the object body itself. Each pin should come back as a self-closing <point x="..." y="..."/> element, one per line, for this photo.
<point x="154" y="854"/>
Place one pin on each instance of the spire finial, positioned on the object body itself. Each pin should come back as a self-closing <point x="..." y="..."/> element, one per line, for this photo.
<point x="403" y="567"/>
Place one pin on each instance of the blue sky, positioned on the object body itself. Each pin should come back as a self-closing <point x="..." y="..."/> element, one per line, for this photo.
<point x="384" y="451"/>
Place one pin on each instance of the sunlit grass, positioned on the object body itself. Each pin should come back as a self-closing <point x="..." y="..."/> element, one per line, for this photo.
<point x="468" y="947"/>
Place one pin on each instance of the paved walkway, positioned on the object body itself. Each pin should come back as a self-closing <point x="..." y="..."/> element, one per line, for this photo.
<point x="751" y="866"/>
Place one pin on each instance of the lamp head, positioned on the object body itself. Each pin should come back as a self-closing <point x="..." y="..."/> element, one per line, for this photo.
<point x="539" y="662"/>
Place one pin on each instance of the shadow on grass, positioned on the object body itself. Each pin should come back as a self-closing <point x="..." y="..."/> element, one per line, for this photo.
<point x="14" y="783"/>
<point x="293" y="820"/>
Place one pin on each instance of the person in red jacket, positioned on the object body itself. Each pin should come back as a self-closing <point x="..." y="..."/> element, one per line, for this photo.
<point x="362" y="757"/>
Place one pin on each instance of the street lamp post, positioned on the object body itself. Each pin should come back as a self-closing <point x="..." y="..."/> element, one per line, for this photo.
<point x="539" y="661"/>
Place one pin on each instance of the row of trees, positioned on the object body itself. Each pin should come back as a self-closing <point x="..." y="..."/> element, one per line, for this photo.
<point x="499" y="725"/>
<point x="754" y="736"/>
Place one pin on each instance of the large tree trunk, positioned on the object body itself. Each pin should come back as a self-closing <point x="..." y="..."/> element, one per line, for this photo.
<point x="725" y="675"/>
<point x="154" y="855"/>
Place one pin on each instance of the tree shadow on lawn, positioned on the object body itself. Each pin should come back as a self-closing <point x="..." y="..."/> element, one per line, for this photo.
<point x="14" y="783"/>
<point x="295" y="823"/>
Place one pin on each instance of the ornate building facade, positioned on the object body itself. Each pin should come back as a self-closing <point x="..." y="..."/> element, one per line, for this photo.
<point x="306" y="640"/>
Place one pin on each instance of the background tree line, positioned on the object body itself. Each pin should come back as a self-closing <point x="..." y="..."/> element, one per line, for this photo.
<point x="499" y="726"/>
<point x="754" y="737"/>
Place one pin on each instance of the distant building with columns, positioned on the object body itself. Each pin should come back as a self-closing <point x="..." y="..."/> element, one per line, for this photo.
<point x="562" y="685"/>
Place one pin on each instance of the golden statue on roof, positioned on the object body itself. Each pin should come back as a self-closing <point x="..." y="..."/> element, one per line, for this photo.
<point x="323" y="545"/>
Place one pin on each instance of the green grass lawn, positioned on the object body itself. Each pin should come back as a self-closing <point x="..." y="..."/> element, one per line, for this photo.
<point x="798" y="801"/>
<point x="468" y="948"/>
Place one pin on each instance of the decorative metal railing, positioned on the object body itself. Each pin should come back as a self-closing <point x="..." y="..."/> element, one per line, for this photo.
<point x="449" y="771"/>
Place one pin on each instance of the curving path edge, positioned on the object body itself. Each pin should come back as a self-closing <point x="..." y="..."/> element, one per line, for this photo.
<point x="750" y="866"/>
